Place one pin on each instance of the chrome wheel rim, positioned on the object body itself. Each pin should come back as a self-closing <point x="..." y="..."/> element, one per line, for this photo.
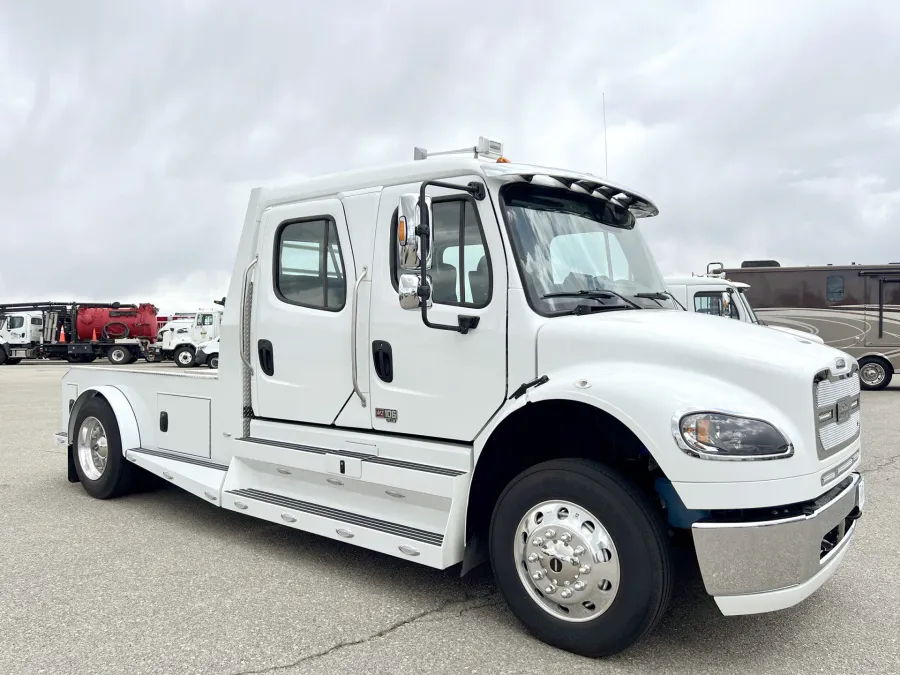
<point x="118" y="355"/>
<point x="185" y="357"/>
<point x="214" y="363"/>
<point x="872" y="374"/>
<point x="567" y="561"/>
<point x="93" y="448"/>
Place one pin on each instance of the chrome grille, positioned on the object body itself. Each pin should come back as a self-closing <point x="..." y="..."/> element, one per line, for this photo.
<point x="830" y="392"/>
<point x="832" y="395"/>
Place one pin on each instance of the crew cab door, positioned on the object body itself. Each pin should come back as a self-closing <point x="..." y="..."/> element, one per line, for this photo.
<point x="429" y="382"/>
<point x="300" y="331"/>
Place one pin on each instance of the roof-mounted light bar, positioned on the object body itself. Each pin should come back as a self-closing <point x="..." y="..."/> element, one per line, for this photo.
<point x="485" y="147"/>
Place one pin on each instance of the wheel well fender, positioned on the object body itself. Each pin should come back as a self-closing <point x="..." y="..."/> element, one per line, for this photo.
<point x="118" y="402"/>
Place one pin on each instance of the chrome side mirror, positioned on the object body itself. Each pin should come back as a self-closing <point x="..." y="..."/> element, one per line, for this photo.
<point x="408" y="289"/>
<point x="411" y="246"/>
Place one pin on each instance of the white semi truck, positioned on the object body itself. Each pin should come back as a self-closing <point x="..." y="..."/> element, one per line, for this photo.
<point x="180" y="339"/>
<point x="714" y="295"/>
<point x="543" y="412"/>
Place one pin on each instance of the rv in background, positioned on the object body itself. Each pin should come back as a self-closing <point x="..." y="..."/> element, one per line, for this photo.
<point x="854" y="308"/>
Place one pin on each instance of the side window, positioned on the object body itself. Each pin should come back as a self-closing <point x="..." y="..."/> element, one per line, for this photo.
<point x="461" y="268"/>
<point x="37" y="321"/>
<point x="714" y="303"/>
<point x="309" y="266"/>
<point x="205" y="320"/>
<point x="834" y="288"/>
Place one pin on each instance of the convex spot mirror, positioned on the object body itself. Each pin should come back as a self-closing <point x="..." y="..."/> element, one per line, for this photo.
<point x="410" y="246"/>
<point x="408" y="289"/>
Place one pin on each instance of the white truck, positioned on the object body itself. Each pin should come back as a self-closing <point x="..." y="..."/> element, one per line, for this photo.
<point x="544" y="412"/>
<point x="208" y="354"/>
<point x="18" y="331"/>
<point x="179" y="339"/>
<point x="715" y="295"/>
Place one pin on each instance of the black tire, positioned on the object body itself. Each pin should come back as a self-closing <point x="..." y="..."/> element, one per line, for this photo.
<point x="874" y="365"/>
<point x="185" y="349"/>
<point x="3" y="355"/>
<point x="119" y="355"/>
<point x="119" y="476"/>
<point x="213" y="361"/>
<point x="637" y="531"/>
<point x="13" y="362"/>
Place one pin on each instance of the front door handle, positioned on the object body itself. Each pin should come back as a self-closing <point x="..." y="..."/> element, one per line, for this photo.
<point x="266" y="357"/>
<point x="383" y="359"/>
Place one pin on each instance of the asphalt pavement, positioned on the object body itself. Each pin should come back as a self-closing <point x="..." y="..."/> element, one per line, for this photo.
<point x="163" y="582"/>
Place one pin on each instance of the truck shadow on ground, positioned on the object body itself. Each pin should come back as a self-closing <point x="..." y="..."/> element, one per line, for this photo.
<point x="693" y="625"/>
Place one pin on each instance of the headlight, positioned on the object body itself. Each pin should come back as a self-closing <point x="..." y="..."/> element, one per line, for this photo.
<point x="711" y="435"/>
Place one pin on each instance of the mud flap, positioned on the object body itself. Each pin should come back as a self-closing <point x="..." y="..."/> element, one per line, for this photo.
<point x="474" y="555"/>
<point x="70" y="460"/>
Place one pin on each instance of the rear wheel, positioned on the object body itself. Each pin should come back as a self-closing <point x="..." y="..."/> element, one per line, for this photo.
<point x="581" y="556"/>
<point x="184" y="357"/>
<point x="875" y="373"/>
<point x="13" y="362"/>
<point x="97" y="446"/>
<point x="119" y="356"/>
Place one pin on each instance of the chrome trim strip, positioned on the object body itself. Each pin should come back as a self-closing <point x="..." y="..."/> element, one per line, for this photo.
<point x="372" y="459"/>
<point x="432" y="538"/>
<point x="353" y="366"/>
<point x="187" y="459"/>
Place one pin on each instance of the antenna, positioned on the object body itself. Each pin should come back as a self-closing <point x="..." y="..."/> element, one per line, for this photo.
<point x="605" y="153"/>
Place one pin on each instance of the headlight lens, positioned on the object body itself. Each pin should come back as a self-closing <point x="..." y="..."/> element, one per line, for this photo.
<point x="721" y="436"/>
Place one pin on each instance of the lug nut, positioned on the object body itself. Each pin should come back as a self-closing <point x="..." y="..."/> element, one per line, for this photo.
<point x="533" y="558"/>
<point x="584" y="569"/>
<point x="579" y="586"/>
<point x="537" y="576"/>
<point x="579" y="550"/>
<point x="565" y="537"/>
<point x="550" y="534"/>
<point x="550" y="590"/>
<point x="566" y="593"/>
<point x="537" y="541"/>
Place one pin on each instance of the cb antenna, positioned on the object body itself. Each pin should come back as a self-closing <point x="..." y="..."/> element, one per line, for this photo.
<point x="605" y="152"/>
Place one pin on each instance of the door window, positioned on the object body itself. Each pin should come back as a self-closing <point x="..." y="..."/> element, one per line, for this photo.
<point x="205" y="320"/>
<point x="16" y="322"/>
<point x="834" y="288"/>
<point x="714" y="303"/>
<point x="461" y="269"/>
<point x="309" y="267"/>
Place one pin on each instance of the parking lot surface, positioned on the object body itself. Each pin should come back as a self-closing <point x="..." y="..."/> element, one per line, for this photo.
<point x="162" y="582"/>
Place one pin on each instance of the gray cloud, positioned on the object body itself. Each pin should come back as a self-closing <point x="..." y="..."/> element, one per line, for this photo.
<point x="130" y="132"/>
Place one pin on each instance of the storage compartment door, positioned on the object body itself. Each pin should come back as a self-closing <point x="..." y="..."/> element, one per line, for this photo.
<point x="183" y="424"/>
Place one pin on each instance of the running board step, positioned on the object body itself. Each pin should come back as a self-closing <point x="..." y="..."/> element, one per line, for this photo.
<point x="431" y="538"/>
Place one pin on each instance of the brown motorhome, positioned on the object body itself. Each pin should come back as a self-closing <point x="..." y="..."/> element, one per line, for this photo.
<point x="854" y="308"/>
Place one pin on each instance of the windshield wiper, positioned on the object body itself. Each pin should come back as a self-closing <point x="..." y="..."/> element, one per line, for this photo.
<point x="660" y="295"/>
<point x="593" y="295"/>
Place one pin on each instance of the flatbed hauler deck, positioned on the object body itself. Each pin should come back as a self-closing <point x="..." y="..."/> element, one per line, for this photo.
<point x="463" y="359"/>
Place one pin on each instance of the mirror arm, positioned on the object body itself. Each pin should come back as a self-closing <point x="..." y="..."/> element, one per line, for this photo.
<point x="464" y="323"/>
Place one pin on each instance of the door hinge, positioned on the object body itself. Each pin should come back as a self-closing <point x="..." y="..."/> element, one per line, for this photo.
<point x="543" y="379"/>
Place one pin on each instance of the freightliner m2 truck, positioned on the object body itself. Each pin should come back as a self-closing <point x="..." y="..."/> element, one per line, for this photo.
<point x="460" y="359"/>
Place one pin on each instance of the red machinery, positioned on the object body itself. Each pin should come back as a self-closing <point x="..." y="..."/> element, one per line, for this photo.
<point x="116" y="323"/>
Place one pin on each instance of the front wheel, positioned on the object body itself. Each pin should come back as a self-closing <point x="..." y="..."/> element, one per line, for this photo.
<point x="874" y="373"/>
<point x="184" y="357"/>
<point x="581" y="556"/>
<point x="213" y="361"/>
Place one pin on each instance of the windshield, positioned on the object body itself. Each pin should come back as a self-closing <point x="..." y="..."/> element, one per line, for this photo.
<point x="747" y="306"/>
<point x="2" y="322"/>
<point x="567" y="242"/>
<point x="16" y="322"/>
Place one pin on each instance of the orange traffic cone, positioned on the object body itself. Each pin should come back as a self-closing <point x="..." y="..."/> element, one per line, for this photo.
<point x="62" y="334"/>
<point x="94" y="336"/>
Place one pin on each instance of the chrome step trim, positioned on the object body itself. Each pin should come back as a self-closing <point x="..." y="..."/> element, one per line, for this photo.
<point x="432" y="538"/>
<point x="187" y="459"/>
<point x="373" y="459"/>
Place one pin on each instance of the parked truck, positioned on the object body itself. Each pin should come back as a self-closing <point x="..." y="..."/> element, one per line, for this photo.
<point x="715" y="295"/>
<point x="544" y="413"/>
<point x="855" y="308"/>
<point x="80" y="332"/>
<point x="179" y="340"/>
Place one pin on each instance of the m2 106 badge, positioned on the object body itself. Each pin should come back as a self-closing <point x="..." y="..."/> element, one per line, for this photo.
<point x="386" y="414"/>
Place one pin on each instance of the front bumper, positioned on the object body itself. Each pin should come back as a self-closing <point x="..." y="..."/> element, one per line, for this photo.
<point x="781" y="556"/>
<point x="200" y="357"/>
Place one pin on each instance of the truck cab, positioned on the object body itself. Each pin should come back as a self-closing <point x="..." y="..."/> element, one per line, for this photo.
<point x="714" y="295"/>
<point x="180" y="339"/>
<point x="19" y="332"/>
<point x="460" y="359"/>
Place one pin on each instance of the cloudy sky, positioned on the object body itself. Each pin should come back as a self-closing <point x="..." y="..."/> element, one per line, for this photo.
<point x="131" y="131"/>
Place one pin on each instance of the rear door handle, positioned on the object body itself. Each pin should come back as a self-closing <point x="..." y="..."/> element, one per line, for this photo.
<point x="267" y="357"/>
